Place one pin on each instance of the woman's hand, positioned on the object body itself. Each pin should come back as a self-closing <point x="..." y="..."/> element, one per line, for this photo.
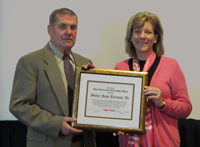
<point x="153" y="94"/>
<point x="119" y="133"/>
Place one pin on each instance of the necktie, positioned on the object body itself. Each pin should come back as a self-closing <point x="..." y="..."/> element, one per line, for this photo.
<point x="69" y="71"/>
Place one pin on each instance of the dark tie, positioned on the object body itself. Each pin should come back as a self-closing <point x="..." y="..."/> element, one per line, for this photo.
<point x="69" y="71"/>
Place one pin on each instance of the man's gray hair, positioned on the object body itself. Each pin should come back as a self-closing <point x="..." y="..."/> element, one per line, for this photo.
<point x="53" y="17"/>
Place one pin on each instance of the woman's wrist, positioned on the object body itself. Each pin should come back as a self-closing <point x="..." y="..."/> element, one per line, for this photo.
<point x="163" y="105"/>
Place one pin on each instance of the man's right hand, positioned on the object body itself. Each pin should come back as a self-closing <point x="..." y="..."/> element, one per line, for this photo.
<point x="66" y="129"/>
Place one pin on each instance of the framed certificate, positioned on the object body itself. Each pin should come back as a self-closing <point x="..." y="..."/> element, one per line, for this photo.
<point x="110" y="100"/>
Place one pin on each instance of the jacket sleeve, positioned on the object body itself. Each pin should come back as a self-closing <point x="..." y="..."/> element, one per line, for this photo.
<point x="23" y="101"/>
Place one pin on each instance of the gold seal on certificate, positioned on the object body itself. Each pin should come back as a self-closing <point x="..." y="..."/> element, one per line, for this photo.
<point x="110" y="100"/>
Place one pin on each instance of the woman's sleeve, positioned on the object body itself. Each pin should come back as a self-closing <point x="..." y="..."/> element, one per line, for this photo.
<point x="179" y="105"/>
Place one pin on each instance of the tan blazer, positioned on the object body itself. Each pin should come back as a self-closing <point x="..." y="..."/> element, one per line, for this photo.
<point x="39" y="99"/>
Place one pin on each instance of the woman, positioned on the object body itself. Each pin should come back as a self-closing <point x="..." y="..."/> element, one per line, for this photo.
<point x="167" y="96"/>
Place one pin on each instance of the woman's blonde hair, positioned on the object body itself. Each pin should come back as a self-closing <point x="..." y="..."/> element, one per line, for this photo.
<point x="137" y="21"/>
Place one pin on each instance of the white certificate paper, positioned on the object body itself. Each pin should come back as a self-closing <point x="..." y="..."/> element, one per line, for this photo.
<point x="109" y="100"/>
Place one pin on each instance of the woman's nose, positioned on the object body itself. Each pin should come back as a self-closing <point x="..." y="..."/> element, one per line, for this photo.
<point x="142" y="34"/>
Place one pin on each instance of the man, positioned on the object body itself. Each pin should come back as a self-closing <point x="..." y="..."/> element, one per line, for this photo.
<point x="40" y="96"/>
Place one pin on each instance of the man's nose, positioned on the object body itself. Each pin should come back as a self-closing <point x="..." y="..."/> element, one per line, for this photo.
<point x="68" y="30"/>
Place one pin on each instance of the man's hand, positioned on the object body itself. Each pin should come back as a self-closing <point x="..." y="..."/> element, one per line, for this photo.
<point x="88" y="66"/>
<point x="66" y="129"/>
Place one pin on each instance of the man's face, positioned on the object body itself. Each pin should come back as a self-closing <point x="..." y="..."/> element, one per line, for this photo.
<point x="63" y="32"/>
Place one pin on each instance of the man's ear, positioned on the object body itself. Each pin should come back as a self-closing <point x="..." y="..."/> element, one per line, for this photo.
<point x="49" y="29"/>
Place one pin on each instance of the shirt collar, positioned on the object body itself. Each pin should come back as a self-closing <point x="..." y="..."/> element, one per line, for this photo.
<point x="58" y="53"/>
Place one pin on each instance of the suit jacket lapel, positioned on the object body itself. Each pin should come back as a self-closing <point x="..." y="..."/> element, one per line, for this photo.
<point x="52" y="70"/>
<point x="77" y="60"/>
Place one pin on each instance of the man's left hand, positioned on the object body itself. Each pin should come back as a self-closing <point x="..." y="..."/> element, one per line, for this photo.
<point x="88" y="66"/>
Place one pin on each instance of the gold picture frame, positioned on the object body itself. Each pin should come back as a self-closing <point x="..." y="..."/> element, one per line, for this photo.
<point x="110" y="100"/>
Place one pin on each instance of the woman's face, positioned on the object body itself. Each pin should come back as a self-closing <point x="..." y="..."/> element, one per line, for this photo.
<point x="143" y="39"/>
